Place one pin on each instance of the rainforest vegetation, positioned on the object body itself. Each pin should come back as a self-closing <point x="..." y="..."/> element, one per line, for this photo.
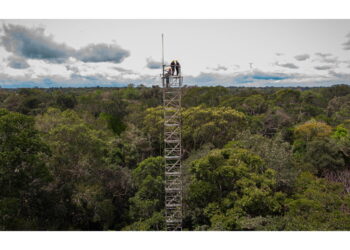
<point x="254" y="158"/>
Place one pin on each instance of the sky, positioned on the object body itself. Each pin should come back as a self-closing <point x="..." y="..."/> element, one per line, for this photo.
<point x="252" y="53"/>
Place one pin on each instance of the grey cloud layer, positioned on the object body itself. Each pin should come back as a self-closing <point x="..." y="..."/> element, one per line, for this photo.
<point x="287" y="65"/>
<point x="255" y="78"/>
<point x="124" y="71"/>
<point x="323" y="55"/>
<point x="259" y="78"/>
<point x="302" y="57"/>
<point x="248" y="78"/>
<point x="34" y="44"/>
<point x="331" y="60"/>
<point x="324" y="67"/>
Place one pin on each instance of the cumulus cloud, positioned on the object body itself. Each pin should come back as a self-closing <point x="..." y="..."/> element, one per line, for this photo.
<point x="122" y="70"/>
<point x="33" y="43"/>
<point x="102" y="53"/>
<point x="347" y="43"/>
<point x="287" y="65"/>
<point x="302" y="57"/>
<point x="331" y="60"/>
<point x="323" y="67"/>
<point x="153" y="64"/>
<point x="17" y="63"/>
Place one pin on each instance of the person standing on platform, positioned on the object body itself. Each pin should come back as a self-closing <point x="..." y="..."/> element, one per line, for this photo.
<point x="175" y="66"/>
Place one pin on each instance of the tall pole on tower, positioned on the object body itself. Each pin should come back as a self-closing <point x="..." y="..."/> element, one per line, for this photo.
<point x="163" y="55"/>
<point x="162" y="49"/>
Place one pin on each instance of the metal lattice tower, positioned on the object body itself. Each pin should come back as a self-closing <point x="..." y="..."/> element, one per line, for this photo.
<point x="172" y="151"/>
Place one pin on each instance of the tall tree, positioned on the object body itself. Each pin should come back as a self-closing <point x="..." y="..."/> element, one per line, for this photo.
<point x="23" y="174"/>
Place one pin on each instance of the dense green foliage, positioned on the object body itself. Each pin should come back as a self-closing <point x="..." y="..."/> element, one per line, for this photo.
<point x="254" y="159"/>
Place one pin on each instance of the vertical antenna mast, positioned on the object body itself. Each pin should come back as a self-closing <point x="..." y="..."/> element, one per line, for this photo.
<point x="163" y="54"/>
<point x="172" y="146"/>
<point x="162" y="49"/>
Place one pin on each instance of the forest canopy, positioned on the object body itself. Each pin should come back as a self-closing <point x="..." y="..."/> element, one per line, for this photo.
<point x="254" y="158"/>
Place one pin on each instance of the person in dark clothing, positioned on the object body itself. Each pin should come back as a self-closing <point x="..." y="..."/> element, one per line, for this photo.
<point x="172" y="65"/>
<point x="175" y="65"/>
<point x="178" y="68"/>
